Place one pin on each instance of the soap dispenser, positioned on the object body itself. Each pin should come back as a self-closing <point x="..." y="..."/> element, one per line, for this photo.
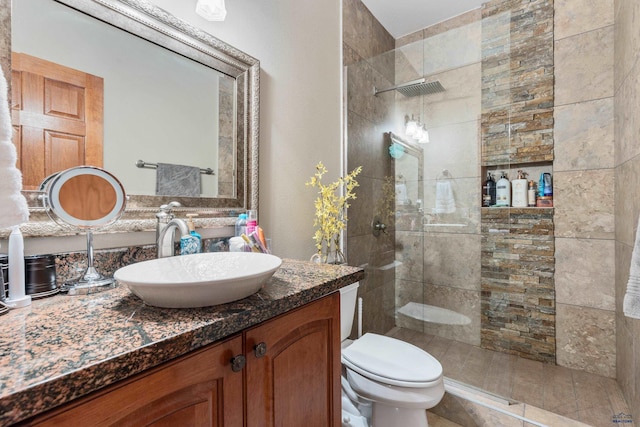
<point x="503" y="191"/>
<point x="191" y="244"/>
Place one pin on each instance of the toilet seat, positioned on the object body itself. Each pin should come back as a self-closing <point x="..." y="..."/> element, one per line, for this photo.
<point x="391" y="361"/>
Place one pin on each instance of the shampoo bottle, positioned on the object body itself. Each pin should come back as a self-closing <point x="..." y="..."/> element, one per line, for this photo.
<point x="503" y="191"/>
<point x="519" y="187"/>
<point x="548" y="184"/>
<point x="489" y="191"/>
<point x="191" y="244"/>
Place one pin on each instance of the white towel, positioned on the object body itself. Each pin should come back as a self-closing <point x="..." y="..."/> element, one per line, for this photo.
<point x="13" y="205"/>
<point x="445" y="203"/>
<point x="401" y="194"/>
<point x="631" y="302"/>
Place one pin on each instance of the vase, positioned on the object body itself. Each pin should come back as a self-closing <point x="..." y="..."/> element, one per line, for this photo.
<point x="333" y="257"/>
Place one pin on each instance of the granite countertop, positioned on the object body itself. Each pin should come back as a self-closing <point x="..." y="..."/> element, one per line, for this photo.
<point x="61" y="348"/>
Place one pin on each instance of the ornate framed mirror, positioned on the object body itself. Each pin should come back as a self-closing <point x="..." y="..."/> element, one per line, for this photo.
<point x="224" y="82"/>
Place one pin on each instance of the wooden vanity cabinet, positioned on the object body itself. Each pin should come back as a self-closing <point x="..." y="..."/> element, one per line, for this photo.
<point x="293" y="368"/>
<point x="291" y="378"/>
<point x="199" y="389"/>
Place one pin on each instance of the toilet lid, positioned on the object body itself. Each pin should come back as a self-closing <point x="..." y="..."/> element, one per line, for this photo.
<point x="391" y="361"/>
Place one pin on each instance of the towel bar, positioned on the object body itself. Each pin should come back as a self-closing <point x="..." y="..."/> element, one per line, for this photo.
<point x="143" y="164"/>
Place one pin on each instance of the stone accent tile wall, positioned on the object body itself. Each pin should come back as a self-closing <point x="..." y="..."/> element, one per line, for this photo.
<point x="627" y="176"/>
<point x="517" y="82"/>
<point x="517" y="263"/>
<point x="517" y="291"/>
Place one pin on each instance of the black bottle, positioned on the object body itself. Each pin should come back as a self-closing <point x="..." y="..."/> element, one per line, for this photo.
<point x="489" y="191"/>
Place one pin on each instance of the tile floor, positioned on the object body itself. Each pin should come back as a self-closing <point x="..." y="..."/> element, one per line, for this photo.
<point x="590" y="399"/>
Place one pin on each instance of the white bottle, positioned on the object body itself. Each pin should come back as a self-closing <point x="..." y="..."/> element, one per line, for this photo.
<point x="503" y="191"/>
<point x="519" y="191"/>
<point x="17" y="290"/>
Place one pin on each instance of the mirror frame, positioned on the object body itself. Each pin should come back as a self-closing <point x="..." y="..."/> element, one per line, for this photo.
<point x="158" y="26"/>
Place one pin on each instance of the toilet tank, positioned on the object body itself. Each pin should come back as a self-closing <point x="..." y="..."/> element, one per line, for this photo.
<point x="348" y="297"/>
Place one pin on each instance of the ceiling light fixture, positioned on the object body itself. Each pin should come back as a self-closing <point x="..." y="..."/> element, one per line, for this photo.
<point x="211" y="10"/>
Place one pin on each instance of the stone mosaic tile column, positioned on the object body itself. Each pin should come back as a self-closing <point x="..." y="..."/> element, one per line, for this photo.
<point x="518" y="295"/>
<point x="518" y="308"/>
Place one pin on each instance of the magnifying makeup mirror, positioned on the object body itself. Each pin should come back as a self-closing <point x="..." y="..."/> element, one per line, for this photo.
<point x="84" y="198"/>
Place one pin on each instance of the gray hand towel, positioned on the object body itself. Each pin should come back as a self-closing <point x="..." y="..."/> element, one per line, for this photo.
<point x="177" y="180"/>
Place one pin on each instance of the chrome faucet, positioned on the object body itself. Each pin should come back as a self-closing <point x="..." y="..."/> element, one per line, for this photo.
<point x="166" y="237"/>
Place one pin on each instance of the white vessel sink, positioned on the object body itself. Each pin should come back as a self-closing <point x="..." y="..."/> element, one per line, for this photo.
<point x="198" y="280"/>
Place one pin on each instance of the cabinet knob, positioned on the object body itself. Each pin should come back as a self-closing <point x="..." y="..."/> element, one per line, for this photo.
<point x="238" y="362"/>
<point x="260" y="349"/>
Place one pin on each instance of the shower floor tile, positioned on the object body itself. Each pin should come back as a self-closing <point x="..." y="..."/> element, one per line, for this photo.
<point x="544" y="389"/>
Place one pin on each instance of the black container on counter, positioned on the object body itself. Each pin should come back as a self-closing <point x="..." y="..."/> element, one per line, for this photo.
<point x="4" y="267"/>
<point x="39" y="272"/>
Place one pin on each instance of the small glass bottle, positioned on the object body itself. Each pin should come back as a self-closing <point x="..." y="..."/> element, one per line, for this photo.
<point x="531" y="194"/>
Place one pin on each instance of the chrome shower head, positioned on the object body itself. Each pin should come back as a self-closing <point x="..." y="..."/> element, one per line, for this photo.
<point x="415" y="88"/>
<point x="427" y="88"/>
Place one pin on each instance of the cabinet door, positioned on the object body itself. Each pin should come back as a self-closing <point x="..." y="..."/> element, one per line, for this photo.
<point x="297" y="380"/>
<point x="199" y="389"/>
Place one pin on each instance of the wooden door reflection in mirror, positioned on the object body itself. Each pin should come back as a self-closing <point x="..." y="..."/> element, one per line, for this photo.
<point x="57" y="115"/>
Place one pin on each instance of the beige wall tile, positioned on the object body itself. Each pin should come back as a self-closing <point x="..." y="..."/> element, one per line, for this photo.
<point x="627" y="120"/>
<point x="584" y="67"/>
<point x="452" y="260"/>
<point x="626" y="365"/>
<point x="410" y="38"/>
<point x="578" y="16"/>
<point x="585" y="273"/>
<point x="627" y="38"/>
<point x="460" y="103"/>
<point x="627" y="201"/>
<point x="622" y="266"/>
<point x="586" y="339"/>
<point x="409" y="62"/>
<point x="358" y="32"/>
<point x="409" y="250"/>
<point x="584" y="135"/>
<point x="461" y="301"/>
<point x="584" y="204"/>
<point x="454" y="48"/>
<point x="453" y="147"/>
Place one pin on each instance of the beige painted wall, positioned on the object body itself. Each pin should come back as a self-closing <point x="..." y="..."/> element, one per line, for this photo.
<point x="298" y="43"/>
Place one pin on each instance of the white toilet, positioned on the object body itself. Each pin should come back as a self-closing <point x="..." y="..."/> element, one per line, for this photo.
<point x="388" y="382"/>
